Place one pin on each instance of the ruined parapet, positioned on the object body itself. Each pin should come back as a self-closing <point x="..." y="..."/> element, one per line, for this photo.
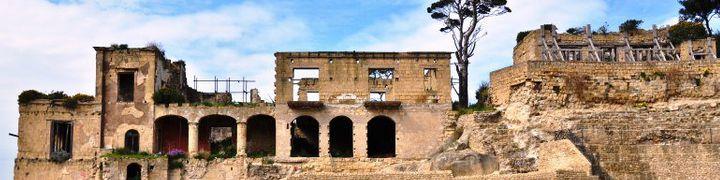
<point x="342" y="77"/>
<point x="71" y="130"/>
<point x="546" y="44"/>
<point x="255" y="96"/>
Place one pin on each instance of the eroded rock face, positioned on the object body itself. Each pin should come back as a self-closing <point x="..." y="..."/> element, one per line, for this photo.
<point x="465" y="162"/>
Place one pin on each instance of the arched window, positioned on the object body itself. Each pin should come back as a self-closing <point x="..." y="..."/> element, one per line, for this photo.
<point x="132" y="141"/>
<point x="381" y="137"/>
<point x="134" y="172"/>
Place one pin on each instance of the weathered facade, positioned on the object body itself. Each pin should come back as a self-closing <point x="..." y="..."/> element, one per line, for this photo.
<point x="346" y="104"/>
<point x="566" y="69"/>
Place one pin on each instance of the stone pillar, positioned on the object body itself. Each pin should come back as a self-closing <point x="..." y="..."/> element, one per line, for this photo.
<point x="360" y="140"/>
<point x="192" y="138"/>
<point x="241" y="139"/>
<point x="324" y="141"/>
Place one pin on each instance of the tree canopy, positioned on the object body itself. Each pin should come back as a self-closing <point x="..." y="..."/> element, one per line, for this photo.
<point x="699" y="11"/>
<point x="461" y="18"/>
<point x="630" y="26"/>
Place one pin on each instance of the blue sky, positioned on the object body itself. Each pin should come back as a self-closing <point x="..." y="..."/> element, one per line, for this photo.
<point x="46" y="45"/>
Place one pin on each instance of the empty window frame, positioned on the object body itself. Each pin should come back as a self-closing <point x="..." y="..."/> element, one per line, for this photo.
<point x="313" y="96"/>
<point x="429" y="72"/>
<point x="61" y="137"/>
<point x="302" y="73"/>
<point x="377" y="96"/>
<point x="126" y="86"/>
<point x="381" y="73"/>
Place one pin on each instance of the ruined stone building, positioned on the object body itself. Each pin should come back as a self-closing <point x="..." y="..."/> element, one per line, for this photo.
<point x="572" y="106"/>
<point x="327" y="104"/>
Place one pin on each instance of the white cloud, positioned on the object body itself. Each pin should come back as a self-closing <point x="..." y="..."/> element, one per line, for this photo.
<point x="416" y="31"/>
<point x="48" y="46"/>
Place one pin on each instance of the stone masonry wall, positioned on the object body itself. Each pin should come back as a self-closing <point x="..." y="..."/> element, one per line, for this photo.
<point x="344" y="75"/>
<point x="564" y="83"/>
<point x="35" y="124"/>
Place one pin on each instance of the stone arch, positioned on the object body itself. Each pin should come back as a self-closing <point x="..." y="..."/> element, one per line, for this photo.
<point x="132" y="141"/>
<point x="133" y="172"/>
<point x="217" y="134"/>
<point x="341" y="137"/>
<point x="304" y="141"/>
<point x="260" y="135"/>
<point x="381" y="137"/>
<point x="171" y="132"/>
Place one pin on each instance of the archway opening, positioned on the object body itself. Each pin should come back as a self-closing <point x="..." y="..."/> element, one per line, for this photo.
<point x="134" y="172"/>
<point x="171" y="132"/>
<point x="381" y="137"/>
<point x="304" y="140"/>
<point x="260" y="136"/>
<point x="132" y="141"/>
<point x="341" y="137"/>
<point x="217" y="134"/>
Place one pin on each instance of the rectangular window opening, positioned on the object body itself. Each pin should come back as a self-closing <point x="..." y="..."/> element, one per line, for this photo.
<point x="377" y="96"/>
<point x="381" y="73"/>
<point x="61" y="137"/>
<point x="126" y="86"/>
<point x="429" y="72"/>
<point x="303" y="73"/>
<point x="313" y="96"/>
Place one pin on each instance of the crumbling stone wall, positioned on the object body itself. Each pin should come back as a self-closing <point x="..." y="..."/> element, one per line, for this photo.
<point x="35" y="124"/>
<point x="345" y="74"/>
<point x="561" y="84"/>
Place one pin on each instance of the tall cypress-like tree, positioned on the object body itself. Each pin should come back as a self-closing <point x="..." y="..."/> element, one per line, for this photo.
<point x="462" y="19"/>
<point x="700" y="11"/>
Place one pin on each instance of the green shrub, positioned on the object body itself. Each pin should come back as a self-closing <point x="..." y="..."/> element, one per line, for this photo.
<point x="684" y="31"/>
<point x="83" y="97"/>
<point x="30" y="95"/>
<point x="167" y="96"/>
<point x="521" y="36"/>
<point x="257" y="154"/>
<point x="56" y="95"/>
<point x="575" y="30"/>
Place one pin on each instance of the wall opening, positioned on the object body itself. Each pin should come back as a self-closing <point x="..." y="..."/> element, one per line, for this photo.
<point x="303" y="73"/>
<point x="134" y="172"/>
<point x="377" y="96"/>
<point x="260" y="136"/>
<point x="61" y="137"/>
<point x="126" y="86"/>
<point x="341" y="137"/>
<point x="171" y="132"/>
<point x="381" y="137"/>
<point x="217" y="134"/>
<point x="132" y="141"/>
<point x="304" y="140"/>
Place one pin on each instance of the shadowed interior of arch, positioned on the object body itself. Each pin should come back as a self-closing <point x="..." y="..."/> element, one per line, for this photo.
<point x="381" y="137"/>
<point x="304" y="140"/>
<point x="341" y="137"/>
<point x="171" y="132"/>
<point x="260" y="136"/>
<point x="133" y="172"/>
<point x="217" y="134"/>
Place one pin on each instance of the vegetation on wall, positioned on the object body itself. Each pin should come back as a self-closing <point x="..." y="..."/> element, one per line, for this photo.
<point x="167" y="96"/>
<point x="684" y="31"/>
<point x="55" y="96"/>
<point x="521" y="35"/>
<point x="575" y="30"/>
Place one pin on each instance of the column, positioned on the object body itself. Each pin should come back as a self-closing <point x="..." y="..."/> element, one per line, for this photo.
<point x="324" y="141"/>
<point x="192" y="138"/>
<point x="241" y="139"/>
<point x="360" y="140"/>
